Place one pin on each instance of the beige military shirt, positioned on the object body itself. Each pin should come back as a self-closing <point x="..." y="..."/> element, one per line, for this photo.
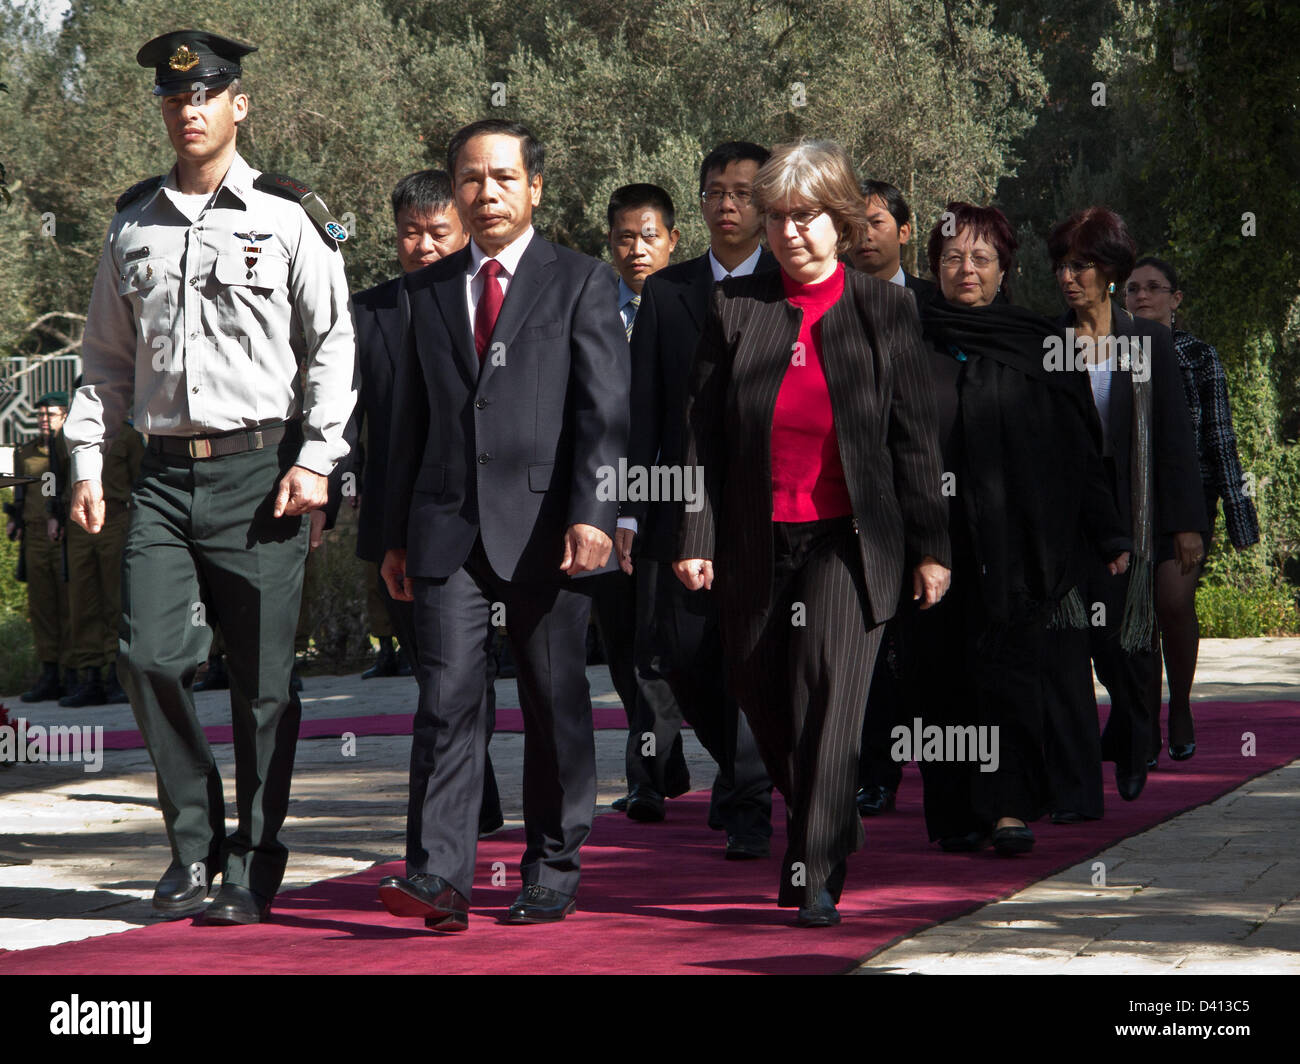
<point x="236" y="319"/>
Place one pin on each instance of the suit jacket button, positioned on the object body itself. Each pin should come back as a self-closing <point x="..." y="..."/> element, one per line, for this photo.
<point x="484" y="459"/>
<point x="479" y="404"/>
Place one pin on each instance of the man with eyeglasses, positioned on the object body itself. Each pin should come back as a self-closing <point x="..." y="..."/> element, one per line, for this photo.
<point x="684" y="641"/>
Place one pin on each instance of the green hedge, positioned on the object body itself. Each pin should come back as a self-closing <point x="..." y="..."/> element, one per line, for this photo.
<point x="1235" y="613"/>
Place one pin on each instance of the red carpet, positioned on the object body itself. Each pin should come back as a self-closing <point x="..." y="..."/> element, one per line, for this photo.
<point x="509" y="719"/>
<point x="659" y="898"/>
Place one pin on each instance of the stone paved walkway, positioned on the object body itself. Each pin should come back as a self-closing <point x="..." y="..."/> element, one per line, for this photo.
<point x="1216" y="889"/>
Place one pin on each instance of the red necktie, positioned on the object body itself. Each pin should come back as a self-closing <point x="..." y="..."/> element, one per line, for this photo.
<point x="489" y="306"/>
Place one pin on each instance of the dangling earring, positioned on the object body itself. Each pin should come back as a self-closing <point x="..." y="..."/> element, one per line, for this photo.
<point x="1110" y="288"/>
<point x="1173" y="319"/>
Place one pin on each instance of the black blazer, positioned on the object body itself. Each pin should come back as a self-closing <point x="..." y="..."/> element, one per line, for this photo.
<point x="379" y="315"/>
<point x="884" y="411"/>
<point x="674" y="307"/>
<point x="921" y="288"/>
<point x="1179" y="502"/>
<point x="518" y="450"/>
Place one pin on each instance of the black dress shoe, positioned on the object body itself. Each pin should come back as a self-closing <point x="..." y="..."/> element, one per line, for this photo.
<point x="1183" y="752"/>
<point x="1130" y="783"/>
<point x="874" y="800"/>
<point x="971" y="842"/>
<point x="1068" y="816"/>
<point x="821" y="913"/>
<point x="619" y="805"/>
<point x="386" y="663"/>
<point x="645" y="805"/>
<point x="540" y="905"/>
<point x="742" y="848"/>
<point x="183" y="888"/>
<point x="1011" y="841"/>
<point x="443" y="907"/>
<point x="237" y="905"/>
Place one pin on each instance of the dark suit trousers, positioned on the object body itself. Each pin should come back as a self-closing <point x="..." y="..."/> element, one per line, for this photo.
<point x="616" y="602"/>
<point x="402" y="616"/>
<point x="546" y="625"/>
<point x="885" y="710"/>
<point x="684" y="644"/>
<point x="653" y="714"/>
<point x="1126" y="677"/>
<point x="804" y="690"/>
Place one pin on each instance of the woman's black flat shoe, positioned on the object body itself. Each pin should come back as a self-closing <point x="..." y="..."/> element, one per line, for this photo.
<point x="1012" y="841"/>
<point x="1182" y="753"/>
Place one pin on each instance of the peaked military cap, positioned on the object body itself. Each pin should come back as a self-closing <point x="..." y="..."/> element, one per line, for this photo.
<point x="53" y="399"/>
<point x="184" y="57"/>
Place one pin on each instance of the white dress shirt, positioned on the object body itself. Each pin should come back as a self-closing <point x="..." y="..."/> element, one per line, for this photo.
<point x="508" y="256"/>
<point x="743" y="270"/>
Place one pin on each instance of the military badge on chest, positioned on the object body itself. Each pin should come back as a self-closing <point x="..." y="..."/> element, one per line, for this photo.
<point x="252" y="249"/>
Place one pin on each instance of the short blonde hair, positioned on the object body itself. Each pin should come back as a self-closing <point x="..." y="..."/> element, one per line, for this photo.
<point x="820" y="172"/>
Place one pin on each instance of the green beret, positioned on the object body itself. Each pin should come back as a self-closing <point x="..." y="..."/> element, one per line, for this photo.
<point x="53" y="399"/>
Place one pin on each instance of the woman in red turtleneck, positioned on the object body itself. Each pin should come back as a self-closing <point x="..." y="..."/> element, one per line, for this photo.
<point x="812" y="417"/>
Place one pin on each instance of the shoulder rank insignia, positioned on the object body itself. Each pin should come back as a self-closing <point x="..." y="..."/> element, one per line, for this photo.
<point x="140" y="188"/>
<point x="280" y="185"/>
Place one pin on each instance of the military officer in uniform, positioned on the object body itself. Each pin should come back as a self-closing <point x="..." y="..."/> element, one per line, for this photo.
<point x="220" y="315"/>
<point x="41" y="561"/>
<point x="95" y="571"/>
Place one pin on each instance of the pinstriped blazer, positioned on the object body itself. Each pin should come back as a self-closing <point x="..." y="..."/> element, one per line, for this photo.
<point x="885" y="418"/>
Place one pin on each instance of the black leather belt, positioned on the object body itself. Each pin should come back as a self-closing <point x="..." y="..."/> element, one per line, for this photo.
<point x="219" y="444"/>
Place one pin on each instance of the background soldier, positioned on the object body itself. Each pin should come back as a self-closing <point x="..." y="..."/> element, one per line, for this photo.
<point x="95" y="571"/>
<point x="41" y="562"/>
<point x="222" y="309"/>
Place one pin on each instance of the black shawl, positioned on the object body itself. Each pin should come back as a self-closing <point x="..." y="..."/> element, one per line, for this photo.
<point x="1034" y="489"/>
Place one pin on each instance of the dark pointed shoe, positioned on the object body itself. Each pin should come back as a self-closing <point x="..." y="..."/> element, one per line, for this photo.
<point x="540" y="905"/>
<point x="237" y="905"/>
<point x="183" y="888"/>
<point x="1182" y="751"/>
<point x="619" y="805"/>
<point x="1068" y="816"/>
<point x="386" y="663"/>
<point x="821" y="913"/>
<point x="747" y="848"/>
<point x="1130" y="784"/>
<point x="874" y="800"/>
<point x="645" y="805"/>
<point x="1008" y="842"/>
<point x="424" y="895"/>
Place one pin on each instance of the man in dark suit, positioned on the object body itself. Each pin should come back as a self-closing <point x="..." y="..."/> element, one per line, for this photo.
<point x="889" y="217"/>
<point x="642" y="236"/>
<point x="427" y="229"/>
<point x="510" y="405"/>
<point x="681" y="632"/>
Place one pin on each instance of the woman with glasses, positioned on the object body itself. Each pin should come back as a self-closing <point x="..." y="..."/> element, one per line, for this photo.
<point x="1029" y="506"/>
<point x="811" y="416"/>
<point x="1152" y="293"/>
<point x="1150" y="454"/>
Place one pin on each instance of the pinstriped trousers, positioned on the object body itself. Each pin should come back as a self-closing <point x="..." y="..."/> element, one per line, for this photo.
<point x="804" y="690"/>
